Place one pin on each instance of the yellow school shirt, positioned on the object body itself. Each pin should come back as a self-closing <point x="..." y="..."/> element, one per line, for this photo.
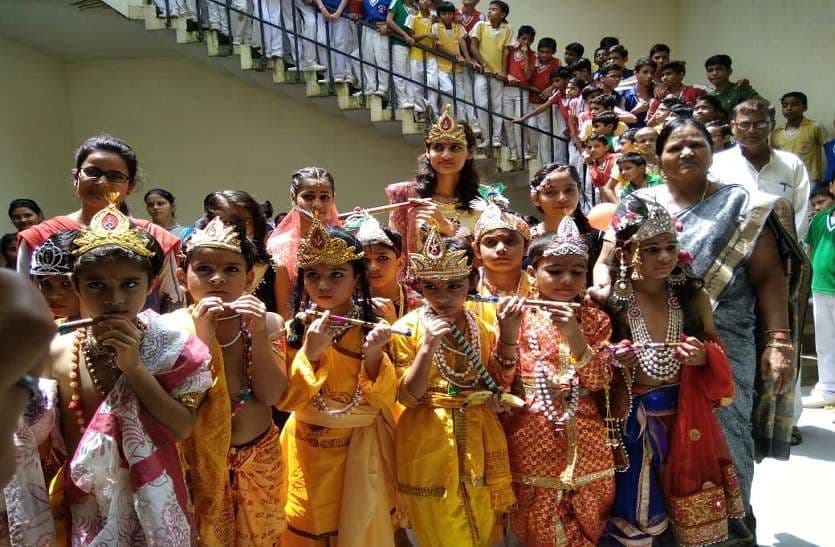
<point x="586" y="130"/>
<point x="492" y="43"/>
<point x="448" y="40"/>
<point x="419" y="24"/>
<point x="806" y="143"/>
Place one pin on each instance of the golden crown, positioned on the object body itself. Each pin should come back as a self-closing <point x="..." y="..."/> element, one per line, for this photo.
<point x="319" y="248"/>
<point x="567" y="241"/>
<point x="216" y="235"/>
<point x="658" y="221"/>
<point x="447" y="129"/>
<point x="110" y="227"/>
<point x="438" y="263"/>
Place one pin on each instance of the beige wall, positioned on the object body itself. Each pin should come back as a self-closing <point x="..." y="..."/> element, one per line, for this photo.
<point x="639" y="24"/>
<point x="35" y="130"/>
<point x="779" y="45"/>
<point x="196" y="129"/>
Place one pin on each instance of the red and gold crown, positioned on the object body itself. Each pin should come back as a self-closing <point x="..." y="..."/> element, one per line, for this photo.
<point x="320" y="248"/>
<point x="111" y="227"/>
<point x="446" y="129"/>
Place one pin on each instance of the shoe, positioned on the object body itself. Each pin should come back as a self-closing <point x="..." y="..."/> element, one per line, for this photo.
<point x="339" y="80"/>
<point x="497" y="144"/>
<point x="407" y="106"/>
<point x="379" y="93"/>
<point x="358" y="93"/>
<point x="323" y="80"/>
<point x="797" y="437"/>
<point x="513" y="157"/>
<point x="818" y="399"/>
<point x="317" y="67"/>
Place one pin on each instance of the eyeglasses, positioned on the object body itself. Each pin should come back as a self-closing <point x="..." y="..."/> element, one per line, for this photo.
<point x="94" y="173"/>
<point x="747" y="126"/>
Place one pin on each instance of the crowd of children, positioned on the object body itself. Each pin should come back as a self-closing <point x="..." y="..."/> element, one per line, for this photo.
<point x="443" y="380"/>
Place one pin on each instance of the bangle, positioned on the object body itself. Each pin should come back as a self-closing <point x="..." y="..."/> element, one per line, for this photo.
<point x="584" y="359"/>
<point x="505" y="362"/>
<point x="780" y="346"/>
<point x="508" y="344"/>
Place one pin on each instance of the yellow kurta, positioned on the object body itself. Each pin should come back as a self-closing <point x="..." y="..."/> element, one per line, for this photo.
<point x="335" y="458"/>
<point x="452" y="464"/>
<point x="487" y="311"/>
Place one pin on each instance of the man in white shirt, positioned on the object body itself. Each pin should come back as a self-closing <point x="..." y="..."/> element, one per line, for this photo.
<point x="754" y="163"/>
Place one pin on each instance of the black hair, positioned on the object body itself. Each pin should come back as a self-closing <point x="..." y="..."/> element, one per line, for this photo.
<point x="539" y="177"/>
<point x="468" y="179"/>
<point x="526" y="30"/>
<point x="395" y="238"/>
<point x="713" y="101"/>
<point x="151" y="265"/>
<point x="310" y="173"/>
<point x="549" y="43"/>
<point x="225" y="200"/>
<point x="686" y="293"/>
<point x="267" y="209"/>
<point x="821" y="189"/>
<point x="607" y="101"/>
<point x="658" y="48"/>
<point x="502" y="6"/>
<point x="589" y="89"/>
<point x="608" y="66"/>
<point x="724" y="128"/>
<point x="606" y="118"/>
<point x="107" y="143"/>
<point x="579" y="82"/>
<point x="677" y="123"/>
<point x="295" y="336"/>
<point x="721" y="60"/>
<point x="249" y="251"/>
<point x="576" y="47"/>
<point x="445" y="7"/>
<point x="603" y="139"/>
<point x="682" y="111"/>
<point x="629" y="134"/>
<point x="279" y="217"/>
<point x="679" y="67"/>
<point x="620" y="50"/>
<point x="164" y="194"/>
<point x="24" y="202"/>
<point x="608" y="41"/>
<point x="671" y="102"/>
<point x="645" y="61"/>
<point x="799" y="95"/>
<point x="5" y="240"/>
<point x="631" y="157"/>
<point x="580" y="64"/>
<point x="560" y="72"/>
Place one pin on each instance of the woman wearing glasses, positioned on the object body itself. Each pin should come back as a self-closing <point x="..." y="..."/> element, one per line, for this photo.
<point x="104" y="164"/>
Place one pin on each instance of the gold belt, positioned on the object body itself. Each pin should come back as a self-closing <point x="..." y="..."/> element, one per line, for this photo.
<point x="555" y="483"/>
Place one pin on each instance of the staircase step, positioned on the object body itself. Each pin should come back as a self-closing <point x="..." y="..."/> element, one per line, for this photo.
<point x="152" y="22"/>
<point x="136" y="12"/>
<point x="184" y="35"/>
<point x="346" y="100"/>
<point x="214" y="47"/>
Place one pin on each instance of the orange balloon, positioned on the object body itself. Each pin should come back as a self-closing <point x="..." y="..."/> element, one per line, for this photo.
<point x="601" y="215"/>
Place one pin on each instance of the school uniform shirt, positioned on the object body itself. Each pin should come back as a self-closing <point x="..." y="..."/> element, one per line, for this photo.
<point x="400" y="14"/>
<point x="375" y="10"/>
<point x="629" y="100"/>
<point x="469" y="21"/>
<point x="515" y="64"/>
<point x="541" y="78"/>
<point x="448" y="40"/>
<point x="586" y="130"/>
<point x="821" y="241"/>
<point x="419" y="24"/>
<point x="805" y="142"/>
<point x="734" y="95"/>
<point x="491" y="43"/>
<point x="784" y="175"/>
<point x="829" y="154"/>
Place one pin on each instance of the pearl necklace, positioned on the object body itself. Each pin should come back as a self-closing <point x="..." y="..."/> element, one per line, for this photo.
<point x="544" y="384"/>
<point x="318" y="401"/>
<point x="448" y="372"/>
<point x="92" y="352"/>
<point x="658" y="363"/>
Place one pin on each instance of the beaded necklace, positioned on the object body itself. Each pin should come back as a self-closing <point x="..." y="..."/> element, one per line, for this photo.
<point x="457" y="380"/>
<point x="245" y="393"/>
<point x="658" y="363"/>
<point x="319" y="402"/>
<point x="545" y="383"/>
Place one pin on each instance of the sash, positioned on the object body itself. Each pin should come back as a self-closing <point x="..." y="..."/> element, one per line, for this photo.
<point x="369" y="471"/>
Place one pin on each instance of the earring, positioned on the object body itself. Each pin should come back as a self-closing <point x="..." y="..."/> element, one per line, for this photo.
<point x="678" y="277"/>
<point x="636" y="266"/>
<point x="623" y="288"/>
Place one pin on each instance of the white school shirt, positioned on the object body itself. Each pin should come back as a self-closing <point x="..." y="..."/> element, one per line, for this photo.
<point x="784" y="175"/>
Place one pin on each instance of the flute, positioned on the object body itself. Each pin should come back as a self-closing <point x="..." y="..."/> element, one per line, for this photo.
<point x="69" y="326"/>
<point x="379" y="209"/>
<point x="532" y="302"/>
<point x="306" y="316"/>
<point x="645" y="345"/>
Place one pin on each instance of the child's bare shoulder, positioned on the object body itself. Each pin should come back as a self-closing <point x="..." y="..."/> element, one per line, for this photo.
<point x="60" y="353"/>
<point x="275" y="324"/>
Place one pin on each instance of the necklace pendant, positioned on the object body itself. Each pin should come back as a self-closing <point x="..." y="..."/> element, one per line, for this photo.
<point x="452" y="390"/>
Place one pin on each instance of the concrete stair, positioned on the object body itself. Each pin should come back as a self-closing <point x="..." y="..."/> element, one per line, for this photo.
<point x="303" y="84"/>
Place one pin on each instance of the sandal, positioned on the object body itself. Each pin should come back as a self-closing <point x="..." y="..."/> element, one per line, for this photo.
<point x="797" y="437"/>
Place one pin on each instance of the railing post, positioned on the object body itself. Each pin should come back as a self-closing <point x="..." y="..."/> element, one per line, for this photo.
<point x="551" y="133"/>
<point x="296" y="38"/>
<point x="394" y="100"/>
<point x="489" y="117"/>
<point x="329" y="53"/>
<point x="360" y="39"/>
<point x="167" y="14"/>
<point x="229" y="23"/>
<point x="199" y="24"/>
<point x="522" y="128"/>
<point x="263" y="36"/>
<point x="454" y="94"/>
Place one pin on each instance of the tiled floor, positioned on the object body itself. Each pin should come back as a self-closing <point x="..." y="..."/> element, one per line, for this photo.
<point x="793" y="500"/>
